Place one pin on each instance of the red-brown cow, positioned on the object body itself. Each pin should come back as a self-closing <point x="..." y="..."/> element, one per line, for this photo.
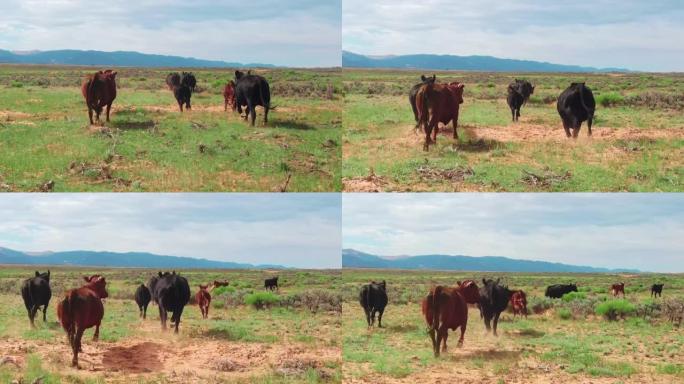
<point x="81" y="309"/>
<point x="444" y="308"/>
<point x="438" y="103"/>
<point x="618" y="288"/>
<point x="229" y="96"/>
<point x="469" y="291"/>
<point x="99" y="90"/>
<point x="203" y="298"/>
<point x="519" y="303"/>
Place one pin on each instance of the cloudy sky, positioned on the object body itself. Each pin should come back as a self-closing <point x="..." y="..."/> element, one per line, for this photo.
<point x="305" y="33"/>
<point x="633" y="34"/>
<point x="642" y="231"/>
<point x="294" y="229"/>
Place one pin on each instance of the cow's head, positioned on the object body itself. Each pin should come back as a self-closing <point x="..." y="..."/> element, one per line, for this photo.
<point x="98" y="285"/>
<point x="457" y="90"/>
<point x="239" y="75"/>
<point x="221" y="283"/>
<point x="203" y="287"/>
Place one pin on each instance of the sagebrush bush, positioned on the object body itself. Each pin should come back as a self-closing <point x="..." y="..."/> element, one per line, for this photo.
<point x="571" y="296"/>
<point x="261" y="300"/>
<point x="564" y="313"/>
<point x="614" y="309"/>
<point x="539" y="304"/>
<point x="610" y="99"/>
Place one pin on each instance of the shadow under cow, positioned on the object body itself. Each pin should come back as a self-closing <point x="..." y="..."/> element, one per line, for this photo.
<point x="139" y="358"/>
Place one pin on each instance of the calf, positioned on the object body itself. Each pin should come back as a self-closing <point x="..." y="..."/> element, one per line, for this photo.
<point x="657" y="290"/>
<point x="557" y="291"/>
<point x="412" y="96"/>
<point x="518" y="94"/>
<point x="251" y="91"/>
<point x="182" y="93"/>
<point x="36" y="292"/>
<point x="519" y="303"/>
<point x="618" y="288"/>
<point x="271" y="283"/>
<point x="81" y="309"/>
<point x="203" y="298"/>
<point x="173" y="79"/>
<point x="494" y="299"/>
<point x="99" y="90"/>
<point x="172" y="293"/>
<point x="575" y="105"/>
<point x="229" y="96"/>
<point x="444" y="308"/>
<point x="189" y="80"/>
<point x="438" y="103"/>
<point x="373" y="299"/>
<point x="142" y="298"/>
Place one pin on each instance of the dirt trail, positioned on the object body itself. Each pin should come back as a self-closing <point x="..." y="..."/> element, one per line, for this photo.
<point x="179" y="358"/>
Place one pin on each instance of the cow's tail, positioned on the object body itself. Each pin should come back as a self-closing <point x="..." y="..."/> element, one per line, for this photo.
<point x="424" y="108"/>
<point x="69" y="323"/>
<point x="267" y="104"/>
<point x="435" y="307"/>
<point x="584" y="105"/>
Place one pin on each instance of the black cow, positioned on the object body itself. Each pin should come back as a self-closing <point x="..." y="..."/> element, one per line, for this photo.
<point x="575" y="105"/>
<point x="151" y="286"/>
<point x="494" y="299"/>
<point x="252" y="90"/>
<point x="518" y="94"/>
<point x="36" y="292"/>
<point x="142" y="298"/>
<point x="657" y="290"/>
<point x="189" y="79"/>
<point x="172" y="293"/>
<point x="414" y="91"/>
<point x="373" y="298"/>
<point x="182" y="93"/>
<point x="173" y="79"/>
<point x="557" y="291"/>
<point x="271" y="283"/>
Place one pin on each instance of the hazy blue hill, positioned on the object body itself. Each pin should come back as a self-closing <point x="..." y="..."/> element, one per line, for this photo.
<point x="465" y="63"/>
<point x="115" y="59"/>
<point x="356" y="259"/>
<point x="123" y="260"/>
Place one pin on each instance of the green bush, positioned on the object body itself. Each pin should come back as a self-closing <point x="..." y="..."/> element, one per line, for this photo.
<point x="610" y="99"/>
<point x="612" y="309"/>
<point x="17" y="84"/>
<point x="260" y="300"/>
<point x="564" y="313"/>
<point x="572" y="296"/>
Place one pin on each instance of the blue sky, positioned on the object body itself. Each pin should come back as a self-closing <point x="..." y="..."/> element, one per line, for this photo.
<point x="295" y="229"/>
<point x="303" y="33"/>
<point x="633" y="34"/>
<point x="642" y="231"/>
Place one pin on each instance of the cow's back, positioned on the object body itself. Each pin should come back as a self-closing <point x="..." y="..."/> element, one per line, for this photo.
<point x="80" y="307"/>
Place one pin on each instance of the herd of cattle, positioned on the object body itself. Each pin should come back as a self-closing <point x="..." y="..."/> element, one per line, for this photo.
<point x="433" y="103"/>
<point x="82" y="308"/>
<point x="246" y="91"/>
<point x="446" y="307"/>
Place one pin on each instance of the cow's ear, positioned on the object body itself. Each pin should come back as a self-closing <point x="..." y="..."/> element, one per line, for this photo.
<point x="174" y="272"/>
<point x="37" y="274"/>
<point x="48" y="273"/>
<point x="483" y="281"/>
<point x="86" y="278"/>
<point x="160" y="274"/>
<point x="423" y="78"/>
<point x="497" y="280"/>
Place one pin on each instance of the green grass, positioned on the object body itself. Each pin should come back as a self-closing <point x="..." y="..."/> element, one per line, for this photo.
<point x="614" y="309"/>
<point x="379" y="140"/>
<point x="149" y="146"/>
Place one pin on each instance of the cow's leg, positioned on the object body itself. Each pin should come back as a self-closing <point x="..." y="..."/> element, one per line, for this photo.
<point x="177" y="316"/>
<point x="265" y="115"/>
<point x="440" y="337"/>
<point x="373" y="311"/>
<point x="566" y="126"/>
<point x="513" y="114"/>
<point x="225" y="106"/>
<point x="32" y="315"/>
<point x="365" y="309"/>
<point x="188" y="105"/>
<point x="496" y="322"/>
<point x="109" y="106"/>
<point x="180" y="105"/>
<point x="488" y="319"/>
<point x="162" y="316"/>
<point x="96" y="336"/>
<point x="435" y="346"/>
<point x="380" y="312"/>
<point x="589" y="122"/>
<point x="252" y="112"/>
<point x="455" y="123"/>
<point x="76" y="348"/>
<point x="517" y="114"/>
<point x="444" y="340"/>
<point x="45" y="313"/>
<point x="460" y="339"/>
<point x="576" y="128"/>
<point x="90" y="115"/>
<point x="426" y="145"/>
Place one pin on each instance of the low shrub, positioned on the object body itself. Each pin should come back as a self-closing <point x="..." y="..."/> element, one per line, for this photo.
<point x="610" y="99"/>
<point x="614" y="309"/>
<point x="261" y="300"/>
<point x="564" y="313"/>
<point x="571" y="296"/>
<point x="540" y="304"/>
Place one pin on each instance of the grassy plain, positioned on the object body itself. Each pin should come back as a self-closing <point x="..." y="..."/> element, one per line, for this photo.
<point x="638" y="141"/>
<point x="561" y="341"/>
<point x="150" y="146"/>
<point x="236" y="344"/>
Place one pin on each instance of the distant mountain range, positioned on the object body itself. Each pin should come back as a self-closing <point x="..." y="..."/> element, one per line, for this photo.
<point x="463" y="63"/>
<point x="114" y="59"/>
<point x="119" y="260"/>
<point x="355" y="259"/>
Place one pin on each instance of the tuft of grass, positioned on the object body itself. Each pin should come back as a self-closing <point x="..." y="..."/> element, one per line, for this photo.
<point x="261" y="300"/>
<point x="572" y="296"/>
<point x="614" y="309"/>
<point x="564" y="313"/>
<point x="610" y="99"/>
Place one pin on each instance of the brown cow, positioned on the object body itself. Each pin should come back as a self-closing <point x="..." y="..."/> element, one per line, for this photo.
<point x="469" y="291"/>
<point x="81" y="309"/>
<point x="519" y="303"/>
<point x="618" y="288"/>
<point x="203" y="298"/>
<point x="444" y="308"/>
<point x="99" y="90"/>
<point x="438" y="103"/>
<point x="229" y="96"/>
